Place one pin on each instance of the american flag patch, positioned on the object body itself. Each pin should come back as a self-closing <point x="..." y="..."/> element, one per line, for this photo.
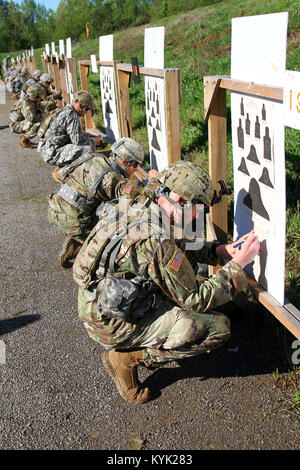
<point x="176" y="260"/>
<point x="128" y="188"/>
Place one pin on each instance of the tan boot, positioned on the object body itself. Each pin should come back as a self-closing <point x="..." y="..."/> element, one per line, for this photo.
<point x="55" y="175"/>
<point x="122" y="366"/>
<point x="25" y="143"/>
<point x="68" y="253"/>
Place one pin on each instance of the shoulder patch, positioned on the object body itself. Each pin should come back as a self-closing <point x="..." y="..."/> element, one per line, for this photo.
<point x="176" y="260"/>
<point x="128" y="188"/>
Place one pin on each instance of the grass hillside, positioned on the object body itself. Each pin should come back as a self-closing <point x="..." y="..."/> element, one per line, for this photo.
<point x="199" y="43"/>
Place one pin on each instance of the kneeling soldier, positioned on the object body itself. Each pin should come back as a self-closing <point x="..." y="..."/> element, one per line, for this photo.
<point x="86" y="183"/>
<point x="26" y="116"/>
<point x="138" y="292"/>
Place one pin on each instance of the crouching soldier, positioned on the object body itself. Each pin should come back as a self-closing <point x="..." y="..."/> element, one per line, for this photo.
<point x="86" y="183"/>
<point x="48" y="96"/>
<point x="138" y="293"/>
<point x="26" y="116"/>
<point x="64" y="140"/>
<point x="31" y="81"/>
<point x="19" y="80"/>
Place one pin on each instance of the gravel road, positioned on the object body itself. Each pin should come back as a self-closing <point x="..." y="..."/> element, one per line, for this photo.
<point x="55" y="393"/>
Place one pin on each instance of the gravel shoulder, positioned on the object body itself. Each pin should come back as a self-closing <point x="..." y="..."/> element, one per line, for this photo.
<point x="55" y="393"/>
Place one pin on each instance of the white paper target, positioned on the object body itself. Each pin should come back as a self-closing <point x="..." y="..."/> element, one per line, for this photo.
<point x="94" y="64"/>
<point x="155" y="99"/>
<point x="61" y="47"/>
<point x="258" y="147"/>
<point x="107" y="89"/>
<point x="69" y="48"/>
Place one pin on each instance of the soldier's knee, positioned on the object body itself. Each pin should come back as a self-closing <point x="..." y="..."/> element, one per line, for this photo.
<point x="219" y="331"/>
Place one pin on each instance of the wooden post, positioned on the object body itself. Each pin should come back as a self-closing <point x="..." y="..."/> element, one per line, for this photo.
<point x="32" y="63"/>
<point x="83" y="73"/>
<point x="55" y="71"/>
<point x="63" y="80"/>
<point x="122" y="80"/>
<point x="172" y="82"/>
<point x="215" y="112"/>
<point x="44" y="65"/>
<point x="72" y="67"/>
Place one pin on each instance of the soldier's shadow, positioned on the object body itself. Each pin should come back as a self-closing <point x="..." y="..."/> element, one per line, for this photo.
<point x="8" y="325"/>
<point x="248" y="352"/>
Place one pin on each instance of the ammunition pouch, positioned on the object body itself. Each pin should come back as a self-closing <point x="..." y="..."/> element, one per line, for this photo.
<point x="75" y="198"/>
<point x="126" y="299"/>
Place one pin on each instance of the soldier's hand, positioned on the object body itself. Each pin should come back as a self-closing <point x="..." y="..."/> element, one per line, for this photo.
<point x="229" y="250"/>
<point x="153" y="173"/>
<point x="246" y="252"/>
<point x="98" y="139"/>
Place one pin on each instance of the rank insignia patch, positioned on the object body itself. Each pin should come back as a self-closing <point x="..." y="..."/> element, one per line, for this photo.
<point x="176" y="260"/>
<point x="128" y="188"/>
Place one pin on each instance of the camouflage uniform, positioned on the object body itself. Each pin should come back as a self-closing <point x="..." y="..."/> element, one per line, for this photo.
<point x="64" y="141"/>
<point x="31" y="81"/>
<point x="48" y="96"/>
<point x="19" y="80"/>
<point x="183" y="321"/>
<point x="25" y="117"/>
<point x="94" y="179"/>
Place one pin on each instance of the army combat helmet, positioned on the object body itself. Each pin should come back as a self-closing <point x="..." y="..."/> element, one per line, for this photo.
<point x="46" y="78"/>
<point x="85" y="99"/>
<point x="25" y="71"/>
<point x="37" y="73"/>
<point x="188" y="180"/>
<point x="128" y="150"/>
<point x="34" y="91"/>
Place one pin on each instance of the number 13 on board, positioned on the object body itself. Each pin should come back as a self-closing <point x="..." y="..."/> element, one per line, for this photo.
<point x="291" y="99"/>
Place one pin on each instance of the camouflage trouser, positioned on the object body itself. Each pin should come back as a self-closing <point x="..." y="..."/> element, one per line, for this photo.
<point x="61" y="156"/>
<point x="166" y="333"/>
<point x="69" y="219"/>
<point x="22" y="128"/>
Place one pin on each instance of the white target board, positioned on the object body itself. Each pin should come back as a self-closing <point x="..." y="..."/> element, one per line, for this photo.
<point x="69" y="80"/>
<point x="258" y="145"/>
<point x="61" y="47"/>
<point x="155" y="98"/>
<point x="107" y="89"/>
<point x="94" y="63"/>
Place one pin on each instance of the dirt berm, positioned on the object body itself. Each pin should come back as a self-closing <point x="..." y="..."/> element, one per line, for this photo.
<point x="54" y="391"/>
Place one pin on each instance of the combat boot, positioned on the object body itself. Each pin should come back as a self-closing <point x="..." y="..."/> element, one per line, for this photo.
<point x="25" y="143"/>
<point x="68" y="253"/>
<point x="122" y="367"/>
<point x="55" y="175"/>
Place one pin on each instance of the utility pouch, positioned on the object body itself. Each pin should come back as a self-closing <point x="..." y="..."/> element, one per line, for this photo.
<point x="126" y="299"/>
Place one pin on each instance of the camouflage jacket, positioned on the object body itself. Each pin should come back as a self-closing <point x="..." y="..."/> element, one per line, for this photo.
<point x="30" y="81"/>
<point x="84" y="178"/>
<point x="25" y="110"/>
<point x="47" y="93"/>
<point x="93" y="181"/>
<point x="151" y="252"/>
<point x="65" y="129"/>
<point x="17" y="83"/>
